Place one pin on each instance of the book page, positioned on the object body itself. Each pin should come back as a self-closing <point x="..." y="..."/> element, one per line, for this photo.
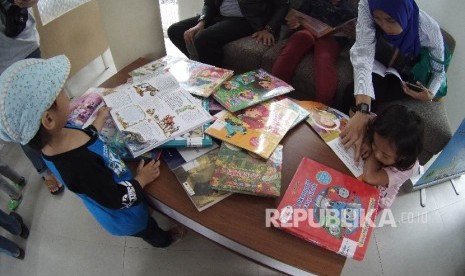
<point x="347" y="157"/>
<point x="165" y="108"/>
<point x="381" y="70"/>
<point x="314" y="25"/>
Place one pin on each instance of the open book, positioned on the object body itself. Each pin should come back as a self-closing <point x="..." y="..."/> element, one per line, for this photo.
<point x="328" y="123"/>
<point x="383" y="71"/>
<point x="316" y="26"/>
<point x="153" y="110"/>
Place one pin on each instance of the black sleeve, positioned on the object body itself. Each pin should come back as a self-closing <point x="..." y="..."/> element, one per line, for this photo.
<point x="281" y="7"/>
<point x="210" y="10"/>
<point x="84" y="172"/>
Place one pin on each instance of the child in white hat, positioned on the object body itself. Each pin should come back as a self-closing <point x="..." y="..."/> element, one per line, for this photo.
<point x="34" y="110"/>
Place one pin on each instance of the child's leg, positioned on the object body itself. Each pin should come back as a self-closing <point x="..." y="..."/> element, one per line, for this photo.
<point x="51" y="182"/>
<point x="325" y="56"/>
<point x="154" y="235"/>
<point x="9" y="189"/>
<point x="10" y="248"/>
<point x="300" y="43"/>
<point x="9" y="173"/>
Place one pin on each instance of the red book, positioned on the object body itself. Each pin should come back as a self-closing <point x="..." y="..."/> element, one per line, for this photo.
<point x="328" y="208"/>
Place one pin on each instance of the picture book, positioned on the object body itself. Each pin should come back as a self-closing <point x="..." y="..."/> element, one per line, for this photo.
<point x="303" y="113"/>
<point x="195" y="177"/>
<point x="214" y="106"/>
<point x="84" y="107"/>
<point x="258" y="129"/>
<point x="150" y="111"/>
<point x="83" y="110"/>
<point x="194" y="138"/>
<point x="175" y="157"/>
<point x="328" y="123"/>
<point x="320" y="26"/>
<point x="328" y="208"/>
<point x="236" y="170"/>
<point x="449" y="164"/>
<point x="198" y="78"/>
<point x="154" y="67"/>
<point x="247" y="89"/>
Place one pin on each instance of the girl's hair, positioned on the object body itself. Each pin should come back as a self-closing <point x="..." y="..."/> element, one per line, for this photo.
<point x="42" y="136"/>
<point x="404" y="129"/>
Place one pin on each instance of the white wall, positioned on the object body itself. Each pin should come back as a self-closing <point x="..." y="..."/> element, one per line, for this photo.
<point x="450" y="14"/>
<point x="133" y="29"/>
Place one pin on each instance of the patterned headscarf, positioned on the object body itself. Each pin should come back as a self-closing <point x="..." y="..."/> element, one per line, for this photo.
<point x="406" y="13"/>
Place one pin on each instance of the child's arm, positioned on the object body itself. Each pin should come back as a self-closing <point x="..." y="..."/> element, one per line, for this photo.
<point x="373" y="172"/>
<point x="148" y="173"/>
<point x="102" y="115"/>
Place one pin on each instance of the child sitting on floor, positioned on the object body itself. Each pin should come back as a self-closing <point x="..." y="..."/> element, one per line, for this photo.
<point x="34" y="111"/>
<point x="394" y="141"/>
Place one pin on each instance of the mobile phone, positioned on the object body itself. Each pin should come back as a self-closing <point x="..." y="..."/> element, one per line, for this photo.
<point x="414" y="87"/>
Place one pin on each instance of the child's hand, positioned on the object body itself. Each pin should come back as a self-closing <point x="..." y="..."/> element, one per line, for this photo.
<point x="365" y="151"/>
<point x="148" y="173"/>
<point x="102" y="115"/>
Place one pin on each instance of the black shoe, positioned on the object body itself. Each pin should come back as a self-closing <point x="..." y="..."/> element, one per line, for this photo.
<point x="24" y="229"/>
<point x="21" y="254"/>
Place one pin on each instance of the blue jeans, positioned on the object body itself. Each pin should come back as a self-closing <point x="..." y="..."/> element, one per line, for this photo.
<point x="14" y="227"/>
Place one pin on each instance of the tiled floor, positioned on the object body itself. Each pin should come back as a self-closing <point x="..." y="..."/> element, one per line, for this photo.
<point x="66" y="240"/>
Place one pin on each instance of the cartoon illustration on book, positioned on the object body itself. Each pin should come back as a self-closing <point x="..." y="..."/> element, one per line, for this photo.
<point x="250" y="88"/>
<point x="338" y="211"/>
<point x="233" y="126"/>
<point x="82" y="108"/>
<point x="144" y="87"/>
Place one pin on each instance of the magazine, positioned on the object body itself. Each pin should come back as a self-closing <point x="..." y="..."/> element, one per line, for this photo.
<point x="154" y="67"/>
<point x="238" y="171"/>
<point x="152" y="110"/>
<point x="449" y="164"/>
<point x="175" y="157"/>
<point x="250" y="88"/>
<point x="258" y="129"/>
<point x="303" y="113"/>
<point x="83" y="111"/>
<point x="319" y="28"/>
<point x="194" y="138"/>
<point x="195" y="177"/>
<point x="328" y="123"/>
<point x="339" y="210"/>
<point x="198" y="78"/>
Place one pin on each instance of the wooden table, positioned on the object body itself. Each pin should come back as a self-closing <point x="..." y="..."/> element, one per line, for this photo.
<point x="238" y="222"/>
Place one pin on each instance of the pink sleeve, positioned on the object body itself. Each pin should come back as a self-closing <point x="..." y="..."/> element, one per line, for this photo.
<point x="396" y="179"/>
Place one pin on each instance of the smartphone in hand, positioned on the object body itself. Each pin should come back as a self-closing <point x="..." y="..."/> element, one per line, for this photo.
<point x="414" y="87"/>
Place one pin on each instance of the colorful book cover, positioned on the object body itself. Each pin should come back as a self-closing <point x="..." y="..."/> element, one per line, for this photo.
<point x="195" y="177"/>
<point x="247" y="89"/>
<point x="84" y="107"/>
<point x="258" y="129"/>
<point x="328" y="208"/>
<point x="449" y="164"/>
<point x="328" y="123"/>
<point x="239" y="171"/>
<point x="154" y="67"/>
<point x="198" y="78"/>
<point x="193" y="138"/>
<point x="175" y="157"/>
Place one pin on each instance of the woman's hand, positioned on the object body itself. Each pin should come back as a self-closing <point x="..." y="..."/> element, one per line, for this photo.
<point x="292" y="22"/>
<point x="354" y="132"/>
<point x="25" y="3"/>
<point x="148" y="173"/>
<point x="264" y="37"/>
<point x="190" y="34"/>
<point x="422" y="95"/>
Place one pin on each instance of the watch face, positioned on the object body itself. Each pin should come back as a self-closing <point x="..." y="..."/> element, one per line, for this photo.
<point x="363" y="107"/>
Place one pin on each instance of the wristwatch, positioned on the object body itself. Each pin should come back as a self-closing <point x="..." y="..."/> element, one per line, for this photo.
<point x="361" y="107"/>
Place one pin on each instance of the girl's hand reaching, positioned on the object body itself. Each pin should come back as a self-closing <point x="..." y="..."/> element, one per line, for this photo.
<point x="148" y="173"/>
